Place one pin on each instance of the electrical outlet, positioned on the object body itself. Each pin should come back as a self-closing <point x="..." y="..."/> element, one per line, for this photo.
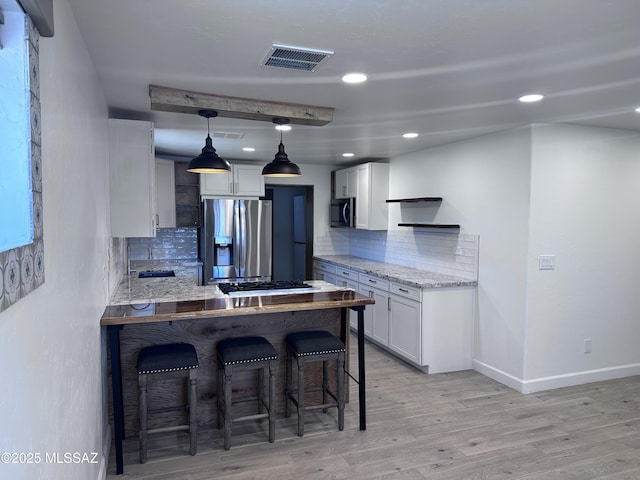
<point x="546" y="262"/>
<point x="587" y="345"/>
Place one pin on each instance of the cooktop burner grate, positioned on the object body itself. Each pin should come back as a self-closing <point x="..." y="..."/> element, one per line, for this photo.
<point x="254" y="286"/>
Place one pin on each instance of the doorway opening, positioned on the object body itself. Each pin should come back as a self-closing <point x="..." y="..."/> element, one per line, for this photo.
<point x="292" y="231"/>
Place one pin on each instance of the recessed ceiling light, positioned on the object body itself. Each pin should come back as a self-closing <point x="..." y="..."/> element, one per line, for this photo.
<point x="409" y="135"/>
<point x="284" y="128"/>
<point x="531" y="98"/>
<point x="638" y="109"/>
<point x="348" y="154"/>
<point x="354" y="78"/>
<point x="248" y="149"/>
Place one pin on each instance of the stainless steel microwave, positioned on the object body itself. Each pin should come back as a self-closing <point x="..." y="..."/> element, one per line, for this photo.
<point x="343" y="212"/>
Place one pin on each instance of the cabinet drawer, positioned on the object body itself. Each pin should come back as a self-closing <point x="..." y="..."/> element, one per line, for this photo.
<point x="347" y="273"/>
<point x="373" y="281"/>
<point x="405" y="290"/>
<point x="325" y="267"/>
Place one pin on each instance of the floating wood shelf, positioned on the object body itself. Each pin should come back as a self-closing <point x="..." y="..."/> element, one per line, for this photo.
<point x="430" y="225"/>
<point x="415" y="200"/>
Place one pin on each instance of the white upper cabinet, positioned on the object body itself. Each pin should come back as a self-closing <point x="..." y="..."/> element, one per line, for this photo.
<point x="132" y="178"/>
<point x="165" y="193"/>
<point x="346" y="181"/>
<point x="369" y="185"/>
<point x="242" y="181"/>
<point x="372" y="189"/>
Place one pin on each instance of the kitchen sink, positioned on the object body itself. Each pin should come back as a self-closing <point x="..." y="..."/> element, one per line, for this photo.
<point x="156" y="273"/>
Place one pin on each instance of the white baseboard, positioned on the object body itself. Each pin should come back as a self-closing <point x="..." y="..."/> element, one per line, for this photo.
<point x="556" y="381"/>
<point x="498" y="375"/>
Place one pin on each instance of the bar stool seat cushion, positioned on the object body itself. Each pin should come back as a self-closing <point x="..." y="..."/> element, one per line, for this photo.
<point x="314" y="342"/>
<point x="167" y="358"/>
<point x="234" y="351"/>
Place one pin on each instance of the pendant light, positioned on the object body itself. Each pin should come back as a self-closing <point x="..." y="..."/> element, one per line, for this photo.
<point x="208" y="161"/>
<point x="281" y="166"/>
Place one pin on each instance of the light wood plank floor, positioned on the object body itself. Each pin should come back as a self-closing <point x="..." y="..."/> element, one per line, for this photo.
<point x="446" y="426"/>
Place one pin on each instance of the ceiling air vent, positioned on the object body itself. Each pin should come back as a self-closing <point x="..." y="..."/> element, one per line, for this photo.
<point x="229" y="135"/>
<point x="295" y="58"/>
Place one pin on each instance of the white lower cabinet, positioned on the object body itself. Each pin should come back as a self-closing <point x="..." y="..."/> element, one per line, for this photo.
<point x="348" y="278"/>
<point x="405" y="322"/>
<point x="447" y="328"/>
<point x="431" y="328"/>
<point x="324" y="271"/>
<point x="376" y="316"/>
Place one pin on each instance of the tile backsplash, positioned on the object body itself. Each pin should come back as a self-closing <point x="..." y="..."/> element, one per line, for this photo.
<point x="168" y="244"/>
<point x="448" y="253"/>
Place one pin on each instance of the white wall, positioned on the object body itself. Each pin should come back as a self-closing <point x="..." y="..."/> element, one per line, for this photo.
<point x="51" y="398"/>
<point x="566" y="190"/>
<point x="484" y="183"/>
<point x="585" y="209"/>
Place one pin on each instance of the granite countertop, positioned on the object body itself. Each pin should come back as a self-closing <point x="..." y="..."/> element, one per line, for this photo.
<point x="398" y="273"/>
<point x="134" y="290"/>
<point x="229" y="306"/>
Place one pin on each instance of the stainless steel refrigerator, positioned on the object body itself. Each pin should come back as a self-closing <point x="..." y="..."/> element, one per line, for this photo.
<point x="235" y="240"/>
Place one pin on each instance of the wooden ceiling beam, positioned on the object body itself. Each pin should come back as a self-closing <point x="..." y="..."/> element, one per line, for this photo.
<point x="165" y="99"/>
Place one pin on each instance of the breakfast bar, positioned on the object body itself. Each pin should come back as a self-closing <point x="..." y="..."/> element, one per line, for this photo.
<point x="209" y="316"/>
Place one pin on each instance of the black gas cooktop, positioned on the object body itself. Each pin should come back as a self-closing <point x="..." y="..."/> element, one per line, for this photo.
<point x="257" y="286"/>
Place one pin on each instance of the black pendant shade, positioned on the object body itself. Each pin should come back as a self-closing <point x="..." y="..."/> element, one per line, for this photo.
<point x="281" y="166"/>
<point x="208" y="161"/>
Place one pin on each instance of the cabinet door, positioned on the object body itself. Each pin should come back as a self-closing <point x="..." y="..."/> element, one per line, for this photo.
<point x="405" y="327"/>
<point x="380" y="315"/>
<point x="187" y="196"/>
<point x="324" y="271"/>
<point x="243" y="180"/>
<point x="346" y="182"/>
<point x="165" y="193"/>
<point x="376" y="316"/>
<point x="372" y="190"/>
<point x="132" y="178"/>
<point x="330" y="278"/>
<point x="352" y="283"/>
<point x="363" y="195"/>
<point x="378" y="289"/>
<point x="248" y="180"/>
<point x="216" y="183"/>
<point x="341" y="184"/>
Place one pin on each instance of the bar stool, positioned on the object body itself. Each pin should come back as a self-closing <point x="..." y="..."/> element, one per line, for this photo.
<point x="314" y="346"/>
<point x="241" y="354"/>
<point x="162" y="359"/>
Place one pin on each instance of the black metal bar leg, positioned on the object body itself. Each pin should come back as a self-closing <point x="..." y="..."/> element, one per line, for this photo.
<point x="343" y="325"/>
<point x="361" y="369"/>
<point x="116" y="390"/>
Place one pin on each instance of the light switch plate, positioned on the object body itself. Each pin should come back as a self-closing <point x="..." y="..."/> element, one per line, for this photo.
<point x="546" y="262"/>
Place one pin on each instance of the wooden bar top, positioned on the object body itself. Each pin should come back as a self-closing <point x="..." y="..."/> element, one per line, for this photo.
<point x="227" y="306"/>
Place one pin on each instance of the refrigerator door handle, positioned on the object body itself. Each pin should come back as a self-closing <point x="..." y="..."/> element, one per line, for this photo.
<point x="240" y="218"/>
